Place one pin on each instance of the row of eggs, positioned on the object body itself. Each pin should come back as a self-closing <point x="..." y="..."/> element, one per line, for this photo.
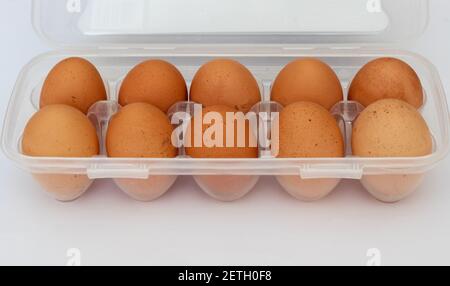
<point x="76" y="82"/>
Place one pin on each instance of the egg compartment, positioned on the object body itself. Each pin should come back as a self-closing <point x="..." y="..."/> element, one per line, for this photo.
<point x="313" y="189"/>
<point x="221" y="187"/>
<point x="377" y="174"/>
<point x="141" y="189"/>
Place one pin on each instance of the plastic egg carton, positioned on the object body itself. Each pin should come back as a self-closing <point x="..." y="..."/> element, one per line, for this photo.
<point x="115" y="35"/>
<point x="388" y="179"/>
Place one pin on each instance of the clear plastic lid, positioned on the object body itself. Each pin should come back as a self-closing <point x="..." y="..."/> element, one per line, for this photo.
<point x="145" y="22"/>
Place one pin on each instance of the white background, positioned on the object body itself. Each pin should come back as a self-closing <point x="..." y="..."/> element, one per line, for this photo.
<point x="186" y="227"/>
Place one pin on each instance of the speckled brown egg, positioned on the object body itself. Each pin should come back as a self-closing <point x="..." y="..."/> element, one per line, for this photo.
<point x="307" y="130"/>
<point x="60" y="131"/>
<point x="391" y="128"/>
<point x="225" y="82"/>
<point x="244" y="150"/>
<point x="75" y="82"/>
<point x="156" y="82"/>
<point x="307" y="79"/>
<point x="140" y="130"/>
<point x="387" y="78"/>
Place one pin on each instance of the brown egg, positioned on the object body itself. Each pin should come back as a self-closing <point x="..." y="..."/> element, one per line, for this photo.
<point x="60" y="131"/>
<point x="222" y="187"/>
<point x="387" y="78"/>
<point x="307" y="130"/>
<point x="307" y="79"/>
<point x="236" y="151"/>
<point x="140" y="130"/>
<point x="75" y="82"/>
<point x="225" y="82"/>
<point x="155" y="82"/>
<point x="391" y="128"/>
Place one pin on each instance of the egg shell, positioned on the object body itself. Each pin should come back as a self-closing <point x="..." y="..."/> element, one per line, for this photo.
<point x="392" y="188"/>
<point x="307" y="190"/>
<point x="146" y="189"/>
<point x="391" y="128"/>
<point x="307" y="130"/>
<point x="227" y="188"/>
<point x="225" y="82"/>
<point x="307" y="79"/>
<point x="387" y="78"/>
<point x="64" y="188"/>
<point x="156" y="82"/>
<point x="75" y="82"/>
<point x="140" y="130"/>
<point x="204" y="151"/>
<point x="60" y="131"/>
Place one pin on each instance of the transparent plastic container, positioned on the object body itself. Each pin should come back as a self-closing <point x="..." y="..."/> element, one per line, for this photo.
<point x="264" y="36"/>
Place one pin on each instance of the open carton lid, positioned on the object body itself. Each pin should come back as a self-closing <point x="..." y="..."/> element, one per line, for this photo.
<point x="130" y="23"/>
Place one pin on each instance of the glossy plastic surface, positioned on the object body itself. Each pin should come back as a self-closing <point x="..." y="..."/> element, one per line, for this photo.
<point x="128" y="23"/>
